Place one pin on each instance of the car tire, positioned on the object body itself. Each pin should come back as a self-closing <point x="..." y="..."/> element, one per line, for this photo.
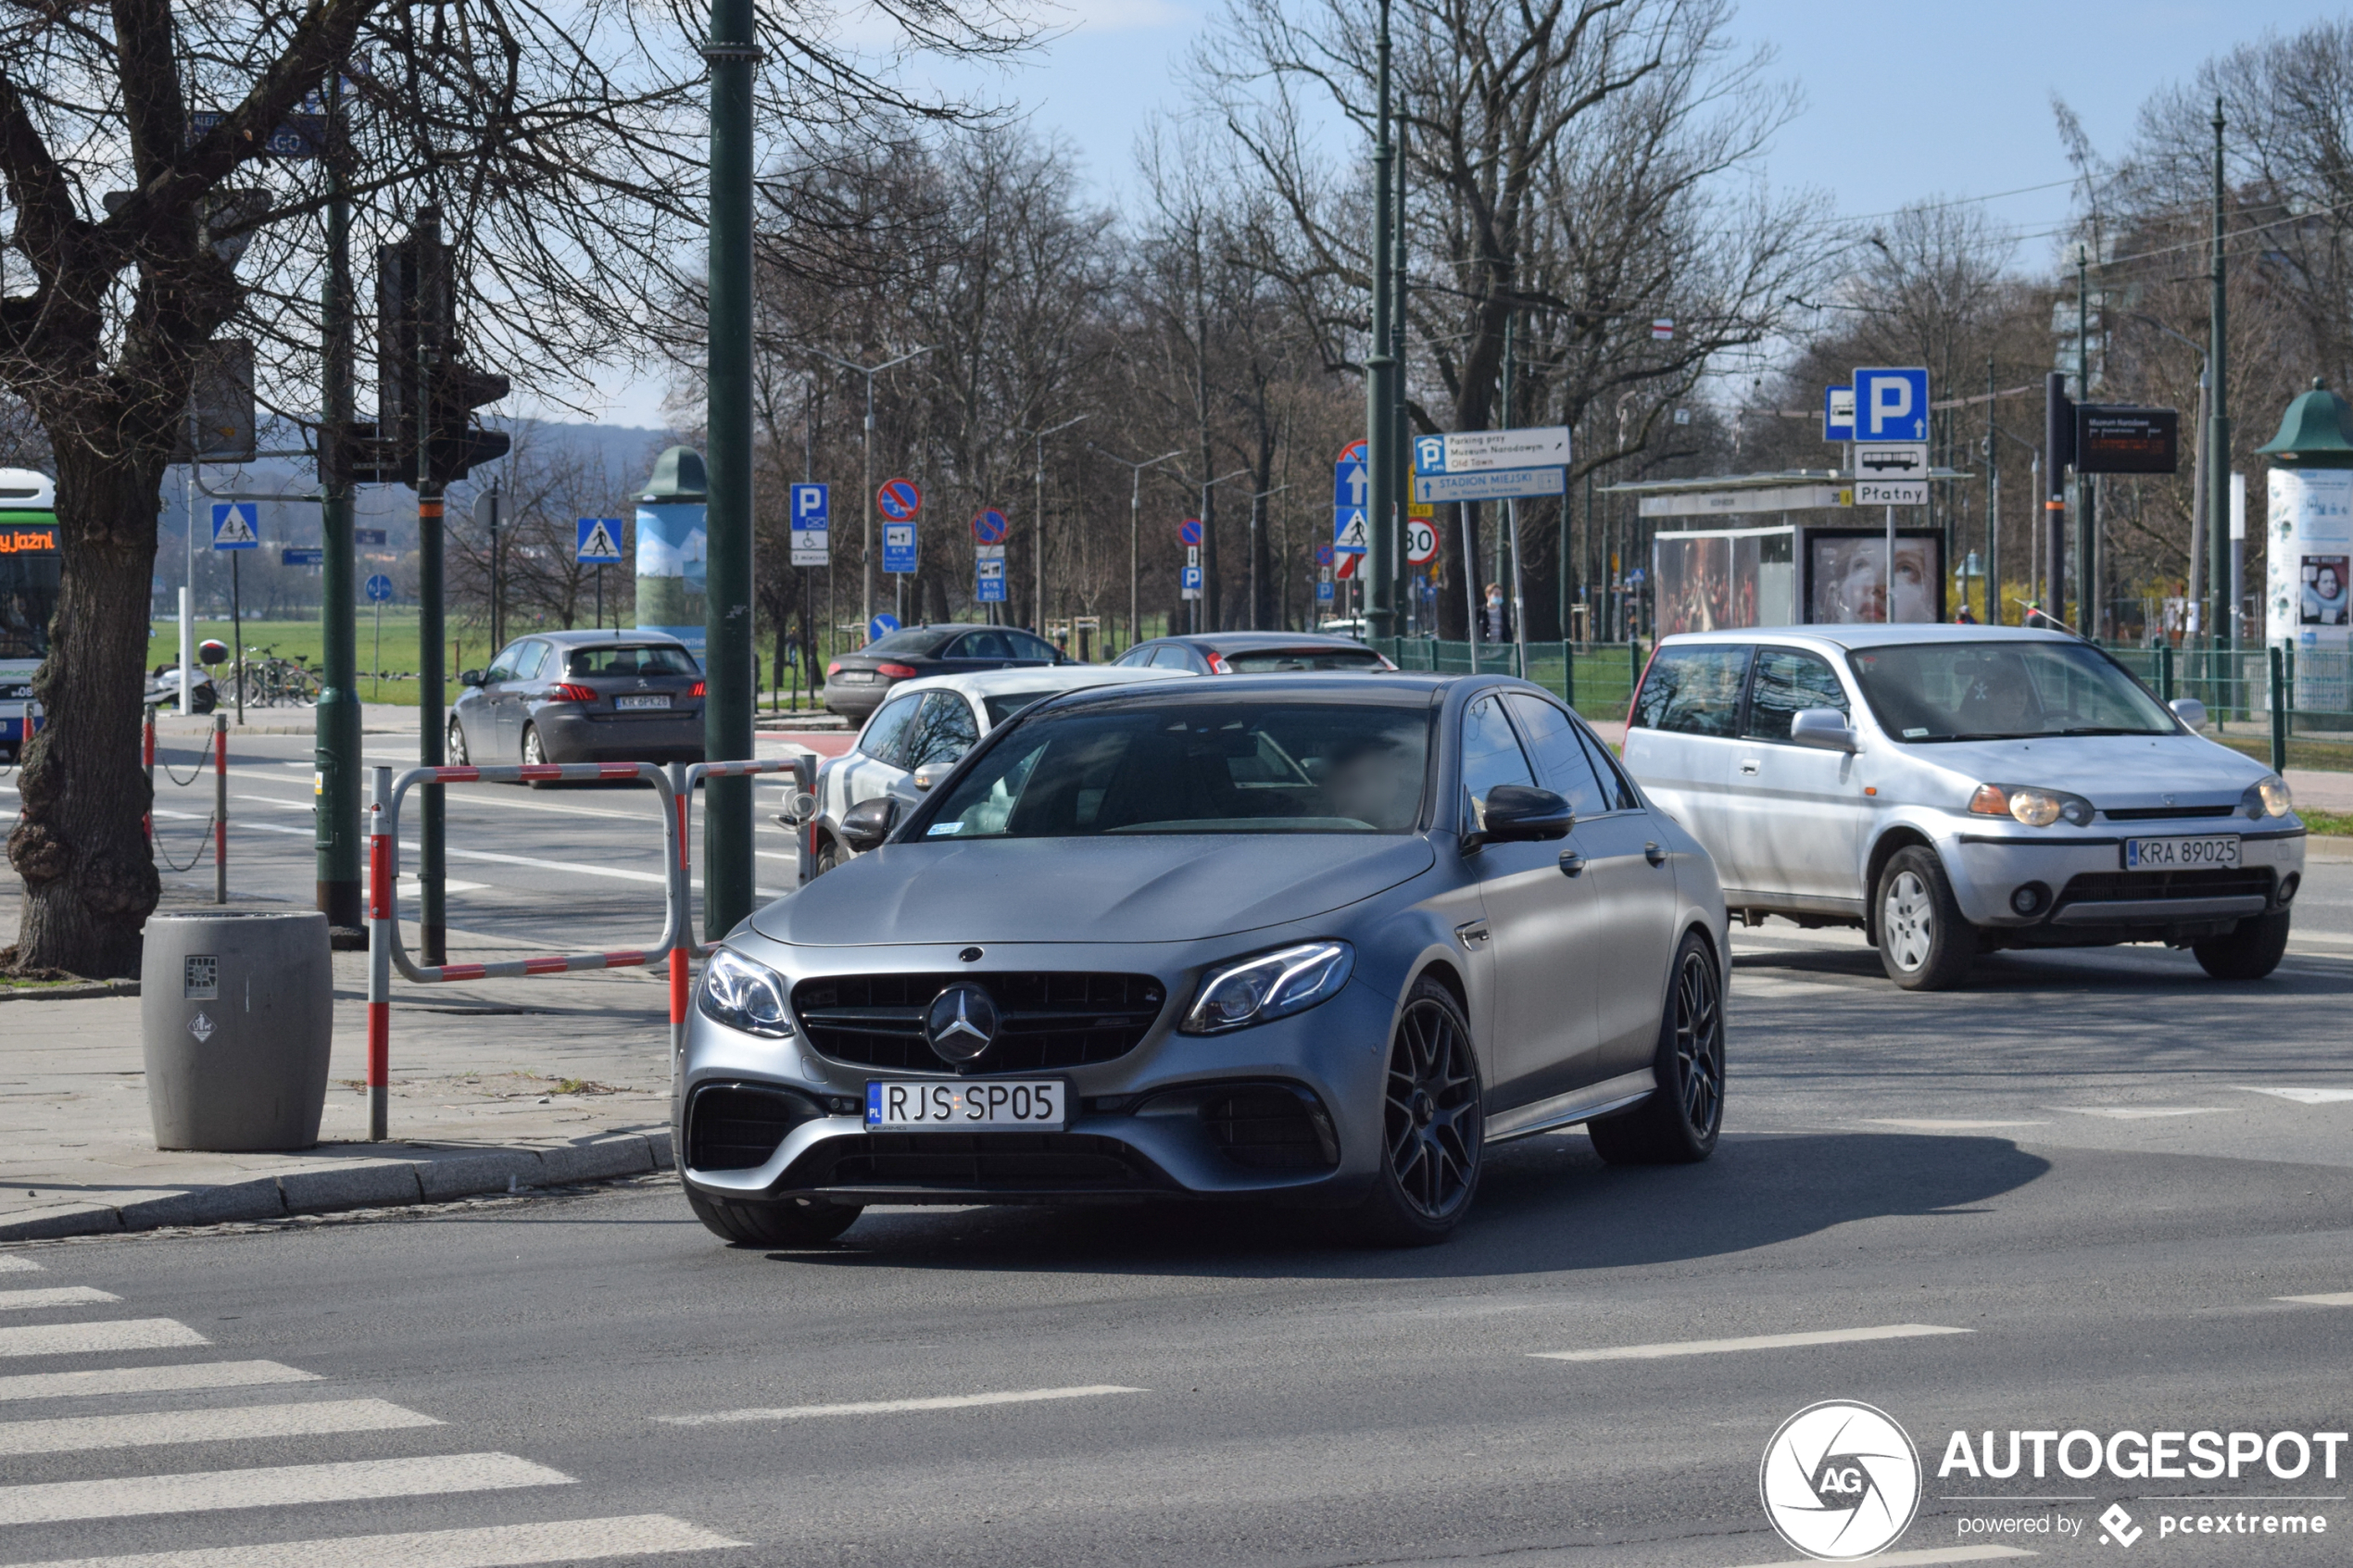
<point x="2250" y="952"/>
<point x="534" y="754"/>
<point x="794" y="1223"/>
<point x="1433" y="1135"/>
<point x="830" y="856"/>
<point x="456" y="748"/>
<point x="1924" y="943"/>
<point x="1678" y="1124"/>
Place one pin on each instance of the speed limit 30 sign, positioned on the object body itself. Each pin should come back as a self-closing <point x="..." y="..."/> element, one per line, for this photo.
<point x="1421" y="542"/>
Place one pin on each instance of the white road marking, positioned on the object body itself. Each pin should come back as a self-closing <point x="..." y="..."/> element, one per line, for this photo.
<point x="569" y="1540"/>
<point x="150" y="1379"/>
<point x="77" y="1339"/>
<point x="2136" y="1113"/>
<point x="279" y="1485"/>
<point x="411" y="888"/>
<point x="895" y="1407"/>
<point x="1924" y="1125"/>
<point x="1758" y="1342"/>
<point x="2341" y="1299"/>
<point x="2301" y="1097"/>
<point x="1920" y="1558"/>
<point x="54" y="1295"/>
<point x="12" y="1264"/>
<point x="237" y="1422"/>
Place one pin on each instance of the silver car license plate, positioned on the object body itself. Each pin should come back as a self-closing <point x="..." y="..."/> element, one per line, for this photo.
<point x="2181" y="854"/>
<point x="1036" y="1105"/>
<point x="658" y="699"/>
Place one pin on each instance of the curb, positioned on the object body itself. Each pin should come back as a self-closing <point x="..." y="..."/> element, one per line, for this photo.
<point x="377" y="1185"/>
<point x="69" y="990"/>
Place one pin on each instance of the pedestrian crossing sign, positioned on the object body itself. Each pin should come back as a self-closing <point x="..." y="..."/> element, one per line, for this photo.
<point x="599" y="541"/>
<point x="236" y="525"/>
<point x="1348" y="532"/>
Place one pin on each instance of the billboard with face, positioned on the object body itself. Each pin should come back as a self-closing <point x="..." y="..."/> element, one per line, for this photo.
<point x="1847" y="581"/>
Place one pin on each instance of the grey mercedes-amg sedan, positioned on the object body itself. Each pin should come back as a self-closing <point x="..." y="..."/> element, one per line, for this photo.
<point x="1314" y="938"/>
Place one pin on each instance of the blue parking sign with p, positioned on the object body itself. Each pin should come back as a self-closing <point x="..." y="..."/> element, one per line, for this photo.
<point x="1891" y="405"/>
<point x="808" y="508"/>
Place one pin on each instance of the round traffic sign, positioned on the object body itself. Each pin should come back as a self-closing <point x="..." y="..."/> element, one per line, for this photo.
<point x="881" y="625"/>
<point x="1421" y="542"/>
<point x="899" y="500"/>
<point x="1189" y="530"/>
<point x="990" y="527"/>
<point x="1354" y="452"/>
<point x="379" y="588"/>
<point x="1323" y="554"/>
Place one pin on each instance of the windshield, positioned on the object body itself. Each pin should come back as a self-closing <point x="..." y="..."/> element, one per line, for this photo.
<point x="1218" y="768"/>
<point x="28" y="603"/>
<point x="917" y="640"/>
<point x="655" y="659"/>
<point x="2000" y="690"/>
<point x="1264" y="661"/>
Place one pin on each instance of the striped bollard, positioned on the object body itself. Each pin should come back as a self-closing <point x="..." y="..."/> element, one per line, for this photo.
<point x="380" y="934"/>
<point x="682" y="882"/>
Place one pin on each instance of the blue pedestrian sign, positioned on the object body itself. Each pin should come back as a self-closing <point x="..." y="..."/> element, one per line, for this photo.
<point x="1891" y="405"/>
<point x="600" y="542"/>
<point x="1351" y="492"/>
<point x="809" y="509"/>
<point x="236" y="525"/>
<point x="379" y="589"/>
<point x="881" y="626"/>
<point x="899" y="548"/>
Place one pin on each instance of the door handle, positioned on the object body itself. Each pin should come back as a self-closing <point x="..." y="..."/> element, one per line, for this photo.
<point x="1572" y="863"/>
<point x="1748" y="767"/>
<point x="1654" y="853"/>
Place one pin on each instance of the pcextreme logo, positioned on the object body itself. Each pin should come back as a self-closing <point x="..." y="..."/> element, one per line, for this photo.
<point x="1840" y="1480"/>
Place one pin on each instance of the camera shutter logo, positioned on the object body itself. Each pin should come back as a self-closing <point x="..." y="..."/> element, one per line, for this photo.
<point x="1840" y="1480"/>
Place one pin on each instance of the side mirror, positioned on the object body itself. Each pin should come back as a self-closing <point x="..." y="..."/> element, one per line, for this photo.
<point x="931" y="773"/>
<point x="1518" y="813"/>
<point x="470" y="677"/>
<point x="2189" y="711"/>
<point x="1825" y="728"/>
<point x="866" y="825"/>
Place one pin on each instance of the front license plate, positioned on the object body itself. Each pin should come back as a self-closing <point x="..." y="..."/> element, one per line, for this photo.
<point x="1036" y="1104"/>
<point x="2181" y="854"/>
<point x="627" y="704"/>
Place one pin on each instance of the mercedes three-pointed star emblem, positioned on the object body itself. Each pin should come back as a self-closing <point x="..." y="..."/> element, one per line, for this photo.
<point x="960" y="1023"/>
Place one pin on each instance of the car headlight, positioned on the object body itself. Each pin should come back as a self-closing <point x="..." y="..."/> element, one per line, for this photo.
<point x="744" y="995"/>
<point x="1270" y="985"/>
<point x="2035" y="808"/>
<point x="2268" y="796"/>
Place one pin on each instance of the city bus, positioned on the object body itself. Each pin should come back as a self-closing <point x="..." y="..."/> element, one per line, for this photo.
<point x="29" y="566"/>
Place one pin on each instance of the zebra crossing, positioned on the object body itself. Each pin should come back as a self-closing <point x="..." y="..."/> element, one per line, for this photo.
<point x="94" y="1500"/>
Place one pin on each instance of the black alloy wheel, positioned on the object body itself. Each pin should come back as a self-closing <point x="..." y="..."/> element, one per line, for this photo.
<point x="1678" y="1124"/>
<point x="1433" y="1125"/>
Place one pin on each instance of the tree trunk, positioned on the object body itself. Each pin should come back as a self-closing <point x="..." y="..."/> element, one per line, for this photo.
<point x="90" y="879"/>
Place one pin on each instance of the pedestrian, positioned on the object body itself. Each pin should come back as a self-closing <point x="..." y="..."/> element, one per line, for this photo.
<point x="1962" y="617"/>
<point x="1497" y="627"/>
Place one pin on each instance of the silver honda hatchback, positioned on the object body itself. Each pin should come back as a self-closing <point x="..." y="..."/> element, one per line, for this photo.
<point x="1955" y="790"/>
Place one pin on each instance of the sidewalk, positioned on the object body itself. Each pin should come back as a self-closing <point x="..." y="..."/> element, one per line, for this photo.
<point x="495" y="1086"/>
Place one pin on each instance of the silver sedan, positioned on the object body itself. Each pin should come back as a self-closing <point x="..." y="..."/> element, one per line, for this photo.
<point x="1299" y="937"/>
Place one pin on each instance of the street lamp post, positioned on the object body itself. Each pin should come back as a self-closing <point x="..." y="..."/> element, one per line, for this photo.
<point x="2217" y="430"/>
<point x="1380" y="365"/>
<point x="1135" y="535"/>
<point x="866" y="512"/>
<point x="1038" y="522"/>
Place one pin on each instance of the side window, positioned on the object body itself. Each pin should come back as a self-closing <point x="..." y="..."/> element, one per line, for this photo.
<point x="1560" y="756"/>
<point x="528" y="661"/>
<point x="1693" y="691"/>
<point x="981" y="645"/>
<point x="1614" y="785"/>
<point x="1169" y="656"/>
<point x="1134" y="658"/>
<point x="943" y="731"/>
<point x="1786" y="682"/>
<point x="1026" y="646"/>
<point x="1491" y="755"/>
<point x="884" y="730"/>
<point x="502" y="667"/>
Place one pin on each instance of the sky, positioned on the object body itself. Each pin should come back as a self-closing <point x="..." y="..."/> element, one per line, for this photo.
<point x="1904" y="101"/>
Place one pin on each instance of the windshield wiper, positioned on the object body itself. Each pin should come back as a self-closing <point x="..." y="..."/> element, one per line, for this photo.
<point x="2107" y="730"/>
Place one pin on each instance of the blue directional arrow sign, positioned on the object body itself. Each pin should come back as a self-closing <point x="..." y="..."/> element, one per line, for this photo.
<point x="1352" y="490"/>
<point x="236" y="525"/>
<point x="881" y="626"/>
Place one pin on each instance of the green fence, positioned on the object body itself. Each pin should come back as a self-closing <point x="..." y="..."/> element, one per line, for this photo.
<point x="1597" y="679"/>
<point x="2295" y="707"/>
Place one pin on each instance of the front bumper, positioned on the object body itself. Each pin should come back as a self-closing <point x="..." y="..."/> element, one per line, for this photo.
<point x="2082" y="892"/>
<point x="1157" y="1121"/>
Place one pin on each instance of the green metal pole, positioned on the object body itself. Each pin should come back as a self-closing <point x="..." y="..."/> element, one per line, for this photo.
<point x="335" y="799"/>
<point x="2086" y="611"/>
<point x="2279" y="709"/>
<point x="1380" y="369"/>
<point x="727" y="662"/>
<point x="2222" y="625"/>
<point x="433" y="865"/>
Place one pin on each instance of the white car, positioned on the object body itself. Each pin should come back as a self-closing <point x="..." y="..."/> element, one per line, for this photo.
<point x="923" y="730"/>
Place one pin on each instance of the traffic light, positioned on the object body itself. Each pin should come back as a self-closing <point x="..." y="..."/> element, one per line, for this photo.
<point x="420" y="380"/>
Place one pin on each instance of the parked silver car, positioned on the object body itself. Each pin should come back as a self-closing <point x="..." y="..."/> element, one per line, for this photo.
<point x="1298" y="936"/>
<point x="1958" y="789"/>
<point x="582" y="697"/>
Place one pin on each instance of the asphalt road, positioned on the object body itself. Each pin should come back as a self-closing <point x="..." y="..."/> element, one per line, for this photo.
<point x="2100" y="1178"/>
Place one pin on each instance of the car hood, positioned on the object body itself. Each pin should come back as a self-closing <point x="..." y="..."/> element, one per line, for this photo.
<point x="2108" y="771"/>
<point x="1173" y="889"/>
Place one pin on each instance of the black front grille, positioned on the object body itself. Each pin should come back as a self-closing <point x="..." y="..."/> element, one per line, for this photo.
<point x="738" y="1127"/>
<point x="1008" y="1163"/>
<point x="2107" y="886"/>
<point x="1267" y="1128"/>
<point x="2163" y="813"/>
<point x="1044" y="1020"/>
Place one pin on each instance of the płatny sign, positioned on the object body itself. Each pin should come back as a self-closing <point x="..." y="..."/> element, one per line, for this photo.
<point x="809" y="509"/>
<point x="1488" y="451"/>
<point x="2114" y="438"/>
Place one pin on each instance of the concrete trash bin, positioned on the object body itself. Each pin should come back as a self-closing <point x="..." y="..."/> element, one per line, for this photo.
<point x="237" y="1010"/>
